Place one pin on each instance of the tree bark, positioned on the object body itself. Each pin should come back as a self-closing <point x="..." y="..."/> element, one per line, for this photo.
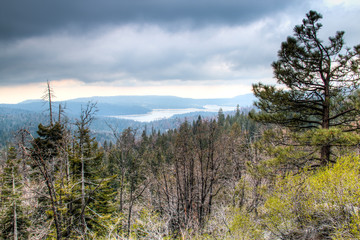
<point x="50" y="103"/>
<point x="14" y="206"/>
<point x="83" y="224"/>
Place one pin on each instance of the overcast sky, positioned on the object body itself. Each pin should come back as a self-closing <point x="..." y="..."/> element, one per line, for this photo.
<point x="187" y="48"/>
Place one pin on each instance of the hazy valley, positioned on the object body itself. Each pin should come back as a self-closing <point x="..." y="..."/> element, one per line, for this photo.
<point x="158" y="113"/>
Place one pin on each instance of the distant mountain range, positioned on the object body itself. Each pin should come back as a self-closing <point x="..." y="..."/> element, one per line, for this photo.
<point x="129" y="105"/>
<point x="30" y="113"/>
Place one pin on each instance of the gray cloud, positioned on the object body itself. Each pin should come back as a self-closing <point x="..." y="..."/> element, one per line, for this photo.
<point x="145" y="53"/>
<point x="138" y="41"/>
<point x="36" y="17"/>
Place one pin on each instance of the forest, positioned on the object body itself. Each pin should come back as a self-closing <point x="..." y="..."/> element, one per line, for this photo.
<point x="288" y="169"/>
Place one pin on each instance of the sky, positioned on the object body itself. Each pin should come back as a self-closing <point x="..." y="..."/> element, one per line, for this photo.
<point x="185" y="48"/>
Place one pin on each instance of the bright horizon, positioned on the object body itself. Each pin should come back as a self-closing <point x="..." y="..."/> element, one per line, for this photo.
<point x="178" y="48"/>
<point x="66" y="90"/>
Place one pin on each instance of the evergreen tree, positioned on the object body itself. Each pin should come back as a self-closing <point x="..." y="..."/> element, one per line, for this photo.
<point x="320" y="84"/>
<point x="45" y="160"/>
<point x="49" y="142"/>
<point x="13" y="219"/>
<point x="221" y="117"/>
<point x="91" y="195"/>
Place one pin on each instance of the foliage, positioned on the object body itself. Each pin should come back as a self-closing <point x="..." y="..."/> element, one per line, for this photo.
<point x="320" y="84"/>
<point x="13" y="220"/>
<point x="324" y="204"/>
<point x="244" y="226"/>
<point x="48" y="143"/>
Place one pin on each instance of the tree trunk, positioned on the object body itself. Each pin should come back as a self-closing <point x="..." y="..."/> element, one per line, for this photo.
<point x="326" y="149"/>
<point x="325" y="155"/>
<point x="54" y="207"/>
<point x="83" y="224"/>
<point x="50" y="103"/>
<point x="15" y="223"/>
<point x="14" y="205"/>
<point x="130" y="212"/>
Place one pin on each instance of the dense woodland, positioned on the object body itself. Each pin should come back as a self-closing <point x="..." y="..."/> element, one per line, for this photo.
<point x="287" y="170"/>
<point x="11" y="120"/>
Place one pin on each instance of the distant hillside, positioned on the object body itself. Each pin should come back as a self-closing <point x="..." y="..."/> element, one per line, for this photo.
<point x="30" y="113"/>
<point x="129" y="105"/>
<point x="73" y="108"/>
<point x="12" y="120"/>
<point x="170" y="102"/>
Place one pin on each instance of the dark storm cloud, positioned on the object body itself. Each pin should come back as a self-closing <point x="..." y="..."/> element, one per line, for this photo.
<point x="135" y="42"/>
<point x="34" y="17"/>
<point x="144" y="53"/>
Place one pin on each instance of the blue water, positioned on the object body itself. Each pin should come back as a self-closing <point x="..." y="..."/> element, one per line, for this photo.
<point x="158" y="114"/>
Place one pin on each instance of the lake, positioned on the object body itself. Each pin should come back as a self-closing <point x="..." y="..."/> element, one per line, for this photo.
<point x="158" y="114"/>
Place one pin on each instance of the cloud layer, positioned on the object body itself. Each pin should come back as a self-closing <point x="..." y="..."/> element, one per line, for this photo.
<point x="37" y="17"/>
<point x="154" y="42"/>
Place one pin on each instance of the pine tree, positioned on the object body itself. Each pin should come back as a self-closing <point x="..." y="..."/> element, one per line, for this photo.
<point x="221" y="117"/>
<point x="320" y="84"/>
<point x="49" y="142"/>
<point x="14" y="222"/>
<point x="91" y="195"/>
<point x="44" y="158"/>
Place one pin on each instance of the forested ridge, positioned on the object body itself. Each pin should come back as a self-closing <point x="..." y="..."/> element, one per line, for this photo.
<point x="12" y="120"/>
<point x="289" y="169"/>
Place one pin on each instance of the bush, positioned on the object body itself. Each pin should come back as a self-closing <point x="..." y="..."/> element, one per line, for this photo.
<point x="323" y="204"/>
